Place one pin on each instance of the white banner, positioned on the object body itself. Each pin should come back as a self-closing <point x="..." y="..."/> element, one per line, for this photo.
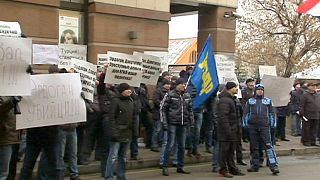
<point x="225" y="69"/>
<point x="151" y="67"/>
<point x="15" y="56"/>
<point x="68" y="51"/>
<point x="68" y="30"/>
<point x="102" y="59"/>
<point x="45" y="54"/>
<point x="267" y="70"/>
<point x="10" y="29"/>
<point x="278" y="89"/>
<point x="55" y="100"/>
<point x="88" y="76"/>
<point x="163" y="56"/>
<point x="124" y="68"/>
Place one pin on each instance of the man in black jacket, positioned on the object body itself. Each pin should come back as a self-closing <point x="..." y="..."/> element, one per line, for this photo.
<point x="228" y="130"/>
<point x="176" y="115"/>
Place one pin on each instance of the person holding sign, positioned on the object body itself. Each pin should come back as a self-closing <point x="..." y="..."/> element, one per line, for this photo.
<point x="122" y="123"/>
<point x="9" y="136"/>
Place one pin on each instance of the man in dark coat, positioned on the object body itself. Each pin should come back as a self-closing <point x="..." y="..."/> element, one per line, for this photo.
<point x="294" y="105"/>
<point x="228" y="130"/>
<point x="122" y="127"/>
<point x="310" y="113"/>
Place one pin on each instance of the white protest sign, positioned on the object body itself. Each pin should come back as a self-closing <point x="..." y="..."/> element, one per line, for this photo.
<point x="102" y="60"/>
<point x="45" y="54"/>
<point x="151" y="66"/>
<point x="68" y="51"/>
<point x="278" y="89"/>
<point x="55" y="100"/>
<point x="225" y="69"/>
<point x="10" y="29"/>
<point x="163" y="56"/>
<point x="268" y="70"/>
<point x="88" y="76"/>
<point x="124" y="68"/>
<point x="15" y="56"/>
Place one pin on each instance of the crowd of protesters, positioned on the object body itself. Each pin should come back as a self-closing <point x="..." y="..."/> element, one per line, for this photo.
<point x="172" y="126"/>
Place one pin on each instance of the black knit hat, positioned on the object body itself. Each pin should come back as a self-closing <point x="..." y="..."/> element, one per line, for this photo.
<point x="165" y="81"/>
<point x="123" y="86"/>
<point x="180" y="81"/>
<point x="230" y="85"/>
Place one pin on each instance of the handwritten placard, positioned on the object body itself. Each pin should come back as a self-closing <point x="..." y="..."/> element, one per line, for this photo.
<point x="15" y="56"/>
<point x="45" y="54"/>
<point x="55" y="100"/>
<point x="68" y="51"/>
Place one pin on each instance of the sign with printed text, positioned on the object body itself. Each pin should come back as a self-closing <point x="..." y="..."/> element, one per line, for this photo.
<point x="10" y="29"/>
<point x="45" y="54"/>
<point x="102" y="60"/>
<point x="278" y="89"/>
<point x="268" y="70"/>
<point x="163" y="56"/>
<point x="68" y="51"/>
<point x="225" y="68"/>
<point x="124" y="68"/>
<point x="15" y="56"/>
<point x="55" y="100"/>
<point x="151" y="66"/>
<point x="88" y="76"/>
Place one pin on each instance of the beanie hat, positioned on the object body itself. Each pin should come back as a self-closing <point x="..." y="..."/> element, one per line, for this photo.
<point x="180" y="81"/>
<point x="259" y="87"/>
<point x="123" y="86"/>
<point x="165" y="81"/>
<point x="249" y="80"/>
<point x="165" y="73"/>
<point x="230" y="85"/>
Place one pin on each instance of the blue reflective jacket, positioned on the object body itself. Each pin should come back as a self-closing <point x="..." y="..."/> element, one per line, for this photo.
<point x="259" y="113"/>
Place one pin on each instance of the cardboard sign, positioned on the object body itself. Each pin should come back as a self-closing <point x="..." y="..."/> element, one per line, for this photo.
<point x="278" y="89"/>
<point x="10" y="29"/>
<point x="88" y="76"/>
<point x="151" y="66"/>
<point x="124" y="68"/>
<point x="68" y="51"/>
<point x="55" y="100"/>
<point x="267" y="70"/>
<point x="102" y="60"/>
<point x="45" y="54"/>
<point x="15" y="56"/>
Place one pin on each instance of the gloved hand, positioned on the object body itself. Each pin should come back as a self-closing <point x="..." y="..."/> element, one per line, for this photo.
<point x="29" y="69"/>
<point x="82" y="95"/>
<point x="16" y="99"/>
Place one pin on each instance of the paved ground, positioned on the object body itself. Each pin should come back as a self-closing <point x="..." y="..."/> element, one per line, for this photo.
<point x="291" y="168"/>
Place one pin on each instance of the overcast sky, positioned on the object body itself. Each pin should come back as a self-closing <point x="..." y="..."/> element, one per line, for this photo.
<point x="183" y="26"/>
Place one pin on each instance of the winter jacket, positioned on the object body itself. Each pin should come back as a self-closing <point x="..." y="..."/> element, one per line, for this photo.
<point x="282" y="111"/>
<point x="157" y="98"/>
<point x="246" y="95"/>
<point x="259" y="113"/>
<point x="8" y="132"/>
<point x="122" y="119"/>
<point x="105" y="95"/>
<point x="176" y="109"/>
<point x="295" y="99"/>
<point x="228" y="122"/>
<point x="310" y="105"/>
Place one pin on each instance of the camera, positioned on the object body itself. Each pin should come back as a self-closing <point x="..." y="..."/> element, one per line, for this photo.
<point x="232" y="14"/>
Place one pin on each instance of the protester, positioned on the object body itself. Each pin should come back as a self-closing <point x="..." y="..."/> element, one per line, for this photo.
<point x="310" y="113"/>
<point x="259" y="117"/>
<point x="294" y="105"/>
<point x="122" y="122"/>
<point x="228" y="131"/>
<point x="282" y="112"/>
<point x="177" y="114"/>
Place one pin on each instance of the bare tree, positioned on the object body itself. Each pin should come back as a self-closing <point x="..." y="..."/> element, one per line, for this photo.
<point x="272" y="32"/>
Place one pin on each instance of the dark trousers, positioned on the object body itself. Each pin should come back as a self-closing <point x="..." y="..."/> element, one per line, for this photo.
<point x="13" y="162"/>
<point x="226" y="159"/>
<point x="309" y="131"/>
<point x="92" y="137"/>
<point x="147" y="123"/>
<point x="32" y="152"/>
<point x="239" y="154"/>
<point x="281" y="128"/>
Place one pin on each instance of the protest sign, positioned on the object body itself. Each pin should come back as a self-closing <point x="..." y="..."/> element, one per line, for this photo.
<point x="102" y="60"/>
<point x="225" y="69"/>
<point x="163" y="56"/>
<point x="45" y="54"/>
<point x="88" y="76"/>
<point x="124" y="68"/>
<point x="68" y="30"/>
<point x="10" y="29"/>
<point x="151" y="66"/>
<point x="68" y="51"/>
<point x="55" y="100"/>
<point x="268" y="70"/>
<point x="15" y="56"/>
<point x="278" y="89"/>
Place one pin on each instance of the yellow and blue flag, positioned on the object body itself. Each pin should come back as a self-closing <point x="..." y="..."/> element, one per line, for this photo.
<point x="204" y="76"/>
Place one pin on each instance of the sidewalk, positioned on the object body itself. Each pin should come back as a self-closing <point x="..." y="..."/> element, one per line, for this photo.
<point x="151" y="159"/>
